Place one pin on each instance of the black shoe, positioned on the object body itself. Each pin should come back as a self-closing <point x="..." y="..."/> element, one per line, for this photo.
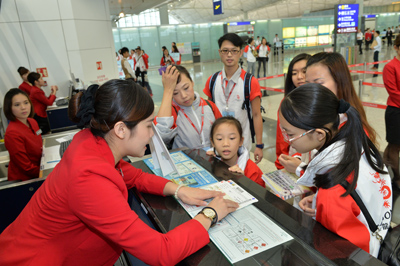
<point x="375" y="75"/>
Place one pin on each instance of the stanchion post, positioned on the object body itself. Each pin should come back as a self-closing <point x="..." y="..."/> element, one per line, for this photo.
<point x="360" y="88"/>
<point x="365" y="69"/>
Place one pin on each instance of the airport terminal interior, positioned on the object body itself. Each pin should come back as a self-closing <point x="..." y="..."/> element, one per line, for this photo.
<point x="78" y="44"/>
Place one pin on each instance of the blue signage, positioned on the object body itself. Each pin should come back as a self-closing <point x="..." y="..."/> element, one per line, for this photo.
<point x="347" y="18"/>
<point x="217" y="7"/>
<point x="370" y="16"/>
<point x="239" y="23"/>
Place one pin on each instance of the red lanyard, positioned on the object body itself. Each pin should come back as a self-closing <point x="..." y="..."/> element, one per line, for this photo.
<point x="223" y="90"/>
<point x="202" y="118"/>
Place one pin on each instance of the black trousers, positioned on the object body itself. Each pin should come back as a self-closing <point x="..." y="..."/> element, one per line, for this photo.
<point x="359" y="42"/>
<point x="43" y="123"/>
<point x="141" y="74"/>
<point x="376" y="58"/>
<point x="389" y="39"/>
<point x="262" y="60"/>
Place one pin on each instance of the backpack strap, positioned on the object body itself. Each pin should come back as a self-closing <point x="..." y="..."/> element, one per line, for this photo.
<point x="212" y="84"/>
<point x="371" y="224"/>
<point x="176" y="109"/>
<point x="246" y="103"/>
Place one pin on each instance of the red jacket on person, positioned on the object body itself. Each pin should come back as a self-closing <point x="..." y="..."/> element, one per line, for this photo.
<point x="80" y="215"/>
<point x="26" y="87"/>
<point x="24" y="145"/>
<point x="391" y="79"/>
<point x="40" y="101"/>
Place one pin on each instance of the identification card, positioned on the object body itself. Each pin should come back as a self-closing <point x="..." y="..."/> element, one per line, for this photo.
<point x="38" y="132"/>
<point x="228" y="113"/>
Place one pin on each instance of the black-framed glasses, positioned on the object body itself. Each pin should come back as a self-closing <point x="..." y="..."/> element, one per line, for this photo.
<point x="226" y="51"/>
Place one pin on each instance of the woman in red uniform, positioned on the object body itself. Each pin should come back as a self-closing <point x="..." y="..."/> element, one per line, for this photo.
<point x="22" y="139"/>
<point x="25" y="85"/>
<point x="40" y="101"/>
<point x="80" y="215"/>
<point x="391" y="79"/>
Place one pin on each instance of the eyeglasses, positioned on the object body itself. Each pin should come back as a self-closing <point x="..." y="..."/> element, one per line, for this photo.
<point x="226" y="51"/>
<point x="286" y="137"/>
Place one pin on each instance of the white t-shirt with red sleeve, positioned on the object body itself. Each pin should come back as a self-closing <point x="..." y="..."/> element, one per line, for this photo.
<point x="234" y="93"/>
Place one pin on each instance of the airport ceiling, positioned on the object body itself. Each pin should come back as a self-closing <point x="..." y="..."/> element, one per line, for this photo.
<point x="199" y="11"/>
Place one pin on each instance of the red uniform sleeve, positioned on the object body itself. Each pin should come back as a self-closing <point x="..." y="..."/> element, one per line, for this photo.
<point x="41" y="97"/>
<point x="339" y="215"/>
<point x="162" y="61"/>
<point x="246" y="49"/>
<point x="282" y="147"/>
<point x="255" y="89"/>
<point x="258" y="47"/>
<point x="206" y="89"/>
<point x="254" y="173"/>
<point x="99" y="203"/>
<point x="15" y="145"/>
<point x="391" y="79"/>
<point x="144" y="182"/>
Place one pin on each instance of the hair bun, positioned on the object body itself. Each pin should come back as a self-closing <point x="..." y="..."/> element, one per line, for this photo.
<point x="343" y="106"/>
<point x="86" y="107"/>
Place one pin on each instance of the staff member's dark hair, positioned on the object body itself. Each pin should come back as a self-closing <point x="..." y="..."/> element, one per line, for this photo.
<point x="114" y="101"/>
<point x="289" y="86"/>
<point x="22" y="71"/>
<point x="32" y="77"/>
<point x="312" y="106"/>
<point x="233" y="38"/>
<point x="7" y="104"/>
<point x="182" y="70"/>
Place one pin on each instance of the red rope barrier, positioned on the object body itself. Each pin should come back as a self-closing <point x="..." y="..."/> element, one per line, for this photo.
<point x="272" y="89"/>
<point x="271" y="77"/>
<point x="366" y="72"/>
<point x="374" y="105"/>
<point x="373" y="84"/>
<point x="356" y="65"/>
<point x="384" y="61"/>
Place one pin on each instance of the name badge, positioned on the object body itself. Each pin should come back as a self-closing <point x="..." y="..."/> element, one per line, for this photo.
<point x="38" y="132"/>
<point x="228" y="113"/>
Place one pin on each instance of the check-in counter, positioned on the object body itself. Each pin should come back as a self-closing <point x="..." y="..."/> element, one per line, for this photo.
<point x="312" y="243"/>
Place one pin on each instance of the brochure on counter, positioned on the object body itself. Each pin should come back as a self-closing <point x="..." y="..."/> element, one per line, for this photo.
<point x="241" y="234"/>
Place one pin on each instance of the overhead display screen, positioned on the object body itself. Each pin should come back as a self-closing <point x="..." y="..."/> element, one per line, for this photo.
<point x="301" y="31"/>
<point x="301" y="42"/>
<point x="312" y="31"/>
<point x="312" y="41"/>
<point x="347" y="18"/>
<point x="288" y="32"/>
<point x="323" y="29"/>
<point x="323" y="40"/>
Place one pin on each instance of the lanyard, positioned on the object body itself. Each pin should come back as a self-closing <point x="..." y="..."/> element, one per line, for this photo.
<point x="223" y="90"/>
<point x="202" y="118"/>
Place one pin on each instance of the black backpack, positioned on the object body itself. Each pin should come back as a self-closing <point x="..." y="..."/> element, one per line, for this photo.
<point x="246" y="103"/>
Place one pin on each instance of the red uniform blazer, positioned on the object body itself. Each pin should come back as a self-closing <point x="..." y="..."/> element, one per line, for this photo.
<point x="40" y="101"/>
<point x="26" y="87"/>
<point x="391" y="79"/>
<point x="80" y="215"/>
<point x="25" y="148"/>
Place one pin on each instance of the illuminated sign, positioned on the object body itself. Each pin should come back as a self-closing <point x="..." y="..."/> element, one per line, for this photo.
<point x="217" y="7"/>
<point x="347" y="18"/>
<point x="240" y="23"/>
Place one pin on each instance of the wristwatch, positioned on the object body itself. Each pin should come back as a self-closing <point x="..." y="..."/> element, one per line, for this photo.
<point x="211" y="214"/>
<point x="260" y="146"/>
